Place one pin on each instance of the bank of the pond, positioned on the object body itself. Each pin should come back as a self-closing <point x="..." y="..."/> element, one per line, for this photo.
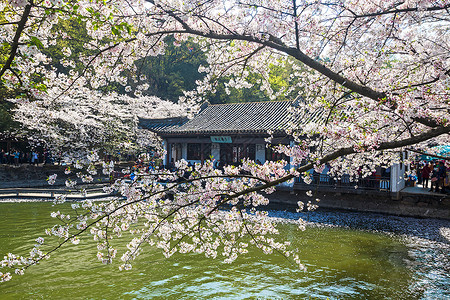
<point x="27" y="175"/>
<point x="405" y="204"/>
<point x="430" y="229"/>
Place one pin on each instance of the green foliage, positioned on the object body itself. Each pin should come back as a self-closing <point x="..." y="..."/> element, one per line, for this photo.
<point x="176" y="71"/>
<point x="170" y="74"/>
<point x="279" y="80"/>
<point x="34" y="41"/>
<point x="7" y="124"/>
<point x="76" y="36"/>
<point x="253" y="94"/>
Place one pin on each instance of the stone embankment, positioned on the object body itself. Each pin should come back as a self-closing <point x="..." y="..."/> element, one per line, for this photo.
<point x="28" y="175"/>
<point x="430" y="205"/>
<point x="30" y="182"/>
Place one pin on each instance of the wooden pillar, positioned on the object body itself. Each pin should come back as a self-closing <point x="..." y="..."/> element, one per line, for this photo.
<point x="202" y="153"/>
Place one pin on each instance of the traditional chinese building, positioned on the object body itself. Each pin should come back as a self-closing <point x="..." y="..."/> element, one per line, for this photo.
<point x="228" y="133"/>
<point x="225" y="132"/>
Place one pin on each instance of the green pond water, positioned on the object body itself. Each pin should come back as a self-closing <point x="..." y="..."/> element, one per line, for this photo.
<point x="341" y="264"/>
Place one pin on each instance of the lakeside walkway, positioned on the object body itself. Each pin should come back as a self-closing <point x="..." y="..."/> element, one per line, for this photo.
<point x="35" y="193"/>
<point x="41" y="189"/>
<point x="91" y="191"/>
<point x="419" y="190"/>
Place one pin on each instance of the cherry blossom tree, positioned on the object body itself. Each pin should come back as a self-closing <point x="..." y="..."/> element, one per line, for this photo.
<point x="82" y="120"/>
<point x="376" y="71"/>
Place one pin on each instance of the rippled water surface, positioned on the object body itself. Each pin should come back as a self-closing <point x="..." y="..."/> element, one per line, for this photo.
<point x="342" y="263"/>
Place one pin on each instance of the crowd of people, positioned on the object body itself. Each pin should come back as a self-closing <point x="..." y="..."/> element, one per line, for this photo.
<point x="433" y="175"/>
<point x="17" y="157"/>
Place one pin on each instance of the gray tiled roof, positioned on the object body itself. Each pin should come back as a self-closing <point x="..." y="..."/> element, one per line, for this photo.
<point x="162" y="124"/>
<point x="237" y="118"/>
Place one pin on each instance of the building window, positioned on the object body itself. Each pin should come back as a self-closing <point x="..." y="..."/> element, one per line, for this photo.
<point x="206" y="151"/>
<point x="250" y="151"/>
<point x="198" y="151"/>
<point x="235" y="153"/>
<point x="194" y="151"/>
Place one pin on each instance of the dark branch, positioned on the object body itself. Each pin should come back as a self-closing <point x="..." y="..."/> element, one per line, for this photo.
<point x="402" y="10"/>
<point x="15" y="42"/>
<point x="428" y="154"/>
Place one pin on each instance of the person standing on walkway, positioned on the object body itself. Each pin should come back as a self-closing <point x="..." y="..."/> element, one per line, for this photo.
<point x="426" y="170"/>
<point x="34" y="158"/>
<point x="2" y="157"/>
<point x="11" y="156"/>
<point x="441" y="174"/>
<point x="16" y="157"/>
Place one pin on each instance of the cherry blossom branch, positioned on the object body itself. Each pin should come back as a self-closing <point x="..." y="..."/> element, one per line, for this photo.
<point x="295" y="53"/>
<point x="15" y="41"/>
<point x="297" y="38"/>
<point x="9" y="23"/>
<point x="431" y="81"/>
<point x="108" y="214"/>
<point x="266" y="8"/>
<point x="402" y="10"/>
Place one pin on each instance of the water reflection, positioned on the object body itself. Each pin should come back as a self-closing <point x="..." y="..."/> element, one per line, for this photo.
<point x="342" y="263"/>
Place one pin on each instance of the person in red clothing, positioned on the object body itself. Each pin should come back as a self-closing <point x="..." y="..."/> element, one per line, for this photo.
<point x="426" y="170"/>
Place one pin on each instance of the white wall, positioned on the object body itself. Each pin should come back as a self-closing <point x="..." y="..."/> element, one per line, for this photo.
<point x="396" y="183"/>
<point x="398" y="176"/>
<point x="166" y="156"/>
<point x="289" y="183"/>
<point x="260" y="153"/>
<point x="291" y="159"/>
<point x="184" y="151"/>
<point x="215" y="151"/>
